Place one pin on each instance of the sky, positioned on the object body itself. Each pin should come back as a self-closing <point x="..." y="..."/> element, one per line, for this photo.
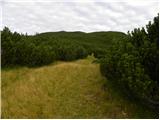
<point x="37" y="16"/>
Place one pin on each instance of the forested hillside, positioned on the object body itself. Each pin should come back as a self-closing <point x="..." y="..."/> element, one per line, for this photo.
<point x="44" y="48"/>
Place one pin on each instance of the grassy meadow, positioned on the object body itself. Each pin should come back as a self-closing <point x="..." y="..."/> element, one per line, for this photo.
<point x="64" y="90"/>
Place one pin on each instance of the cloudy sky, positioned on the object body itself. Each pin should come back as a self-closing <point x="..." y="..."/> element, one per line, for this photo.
<point x="33" y="16"/>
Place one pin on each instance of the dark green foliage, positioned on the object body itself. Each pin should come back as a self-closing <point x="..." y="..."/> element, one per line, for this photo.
<point x="133" y="63"/>
<point x="44" y="48"/>
<point x="8" y="46"/>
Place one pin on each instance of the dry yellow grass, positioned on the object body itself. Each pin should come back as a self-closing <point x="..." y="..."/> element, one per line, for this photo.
<point x="62" y="90"/>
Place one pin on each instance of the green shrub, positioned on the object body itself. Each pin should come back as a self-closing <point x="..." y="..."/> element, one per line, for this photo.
<point x="133" y="63"/>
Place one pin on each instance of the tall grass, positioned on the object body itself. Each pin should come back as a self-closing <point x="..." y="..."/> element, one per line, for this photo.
<point x="63" y="90"/>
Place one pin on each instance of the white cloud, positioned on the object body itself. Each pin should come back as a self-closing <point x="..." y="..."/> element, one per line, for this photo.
<point x="39" y="16"/>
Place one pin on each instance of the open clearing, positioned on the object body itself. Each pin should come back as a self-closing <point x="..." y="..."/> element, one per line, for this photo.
<point x="63" y="90"/>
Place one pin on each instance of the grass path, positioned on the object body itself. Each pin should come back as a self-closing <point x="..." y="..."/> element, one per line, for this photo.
<point x="62" y="90"/>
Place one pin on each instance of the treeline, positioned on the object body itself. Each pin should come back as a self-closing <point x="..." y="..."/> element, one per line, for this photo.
<point x="45" y="48"/>
<point x="30" y="51"/>
<point x="133" y="64"/>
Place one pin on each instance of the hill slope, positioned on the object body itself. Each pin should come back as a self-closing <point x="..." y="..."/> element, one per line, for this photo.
<point x="63" y="90"/>
<point x="101" y="39"/>
<point x="30" y="50"/>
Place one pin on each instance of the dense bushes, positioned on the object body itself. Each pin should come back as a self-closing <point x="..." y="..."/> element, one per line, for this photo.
<point x="8" y="46"/>
<point x="38" y="49"/>
<point x="16" y="50"/>
<point x="44" y="48"/>
<point x="133" y="63"/>
<point x="26" y="51"/>
<point x="71" y="52"/>
<point x="39" y="55"/>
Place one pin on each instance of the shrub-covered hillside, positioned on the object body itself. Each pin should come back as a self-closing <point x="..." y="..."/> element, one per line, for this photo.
<point x="44" y="48"/>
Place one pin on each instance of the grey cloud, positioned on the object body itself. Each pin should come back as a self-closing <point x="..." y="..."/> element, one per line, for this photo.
<point x="41" y="16"/>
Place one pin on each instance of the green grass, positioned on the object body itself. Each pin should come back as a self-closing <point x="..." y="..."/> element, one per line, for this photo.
<point x="64" y="90"/>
